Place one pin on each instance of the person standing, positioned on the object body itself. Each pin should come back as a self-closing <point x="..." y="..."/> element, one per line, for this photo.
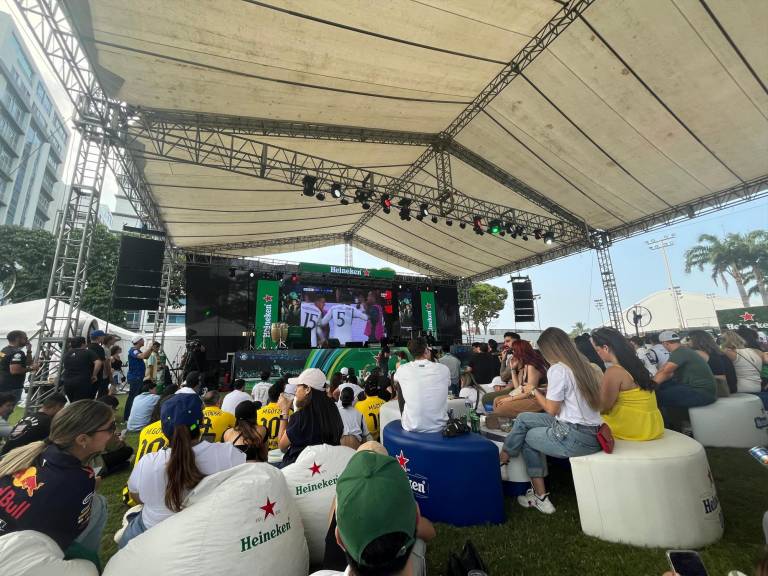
<point x="136" y="370"/>
<point x="81" y="371"/>
<point x="15" y="363"/>
<point x="95" y="340"/>
<point x="424" y="388"/>
<point x="117" y="368"/>
<point x="153" y="362"/>
<point x="454" y="366"/>
<point x="35" y="426"/>
<point x="261" y="389"/>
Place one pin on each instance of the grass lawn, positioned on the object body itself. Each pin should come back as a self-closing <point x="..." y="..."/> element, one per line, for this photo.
<point x="530" y="543"/>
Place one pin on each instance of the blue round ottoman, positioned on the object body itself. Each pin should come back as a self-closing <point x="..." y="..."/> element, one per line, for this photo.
<point x="455" y="480"/>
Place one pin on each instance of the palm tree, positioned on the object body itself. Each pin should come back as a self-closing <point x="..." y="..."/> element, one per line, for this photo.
<point x="726" y="258"/>
<point x="578" y="329"/>
<point x="756" y="244"/>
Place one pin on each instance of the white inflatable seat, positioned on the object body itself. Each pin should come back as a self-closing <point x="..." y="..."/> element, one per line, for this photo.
<point x="312" y="483"/>
<point x="731" y="422"/>
<point x="239" y="522"/>
<point x="656" y="494"/>
<point x="390" y="411"/>
<point x="30" y="553"/>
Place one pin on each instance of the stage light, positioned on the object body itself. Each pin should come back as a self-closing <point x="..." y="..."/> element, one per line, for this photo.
<point x="462" y="225"/>
<point x="549" y="237"/>
<point x="344" y="201"/>
<point x="537" y="233"/>
<point x="449" y="222"/>
<point x="232" y="272"/>
<point x="477" y="221"/>
<point x="405" y="213"/>
<point x="308" y="182"/>
<point x="525" y="237"/>
<point x="434" y="219"/>
<point x="386" y="203"/>
<point x="419" y="216"/>
<point x="510" y="228"/>
<point x="494" y="227"/>
<point x="336" y="190"/>
<point x="251" y="274"/>
<point x="294" y="278"/>
<point x="320" y="196"/>
<point x="519" y="230"/>
<point x="424" y="209"/>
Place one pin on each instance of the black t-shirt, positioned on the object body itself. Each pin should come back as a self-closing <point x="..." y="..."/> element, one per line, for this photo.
<point x="117" y="364"/>
<point x="53" y="496"/>
<point x="78" y="365"/>
<point x="485" y="367"/>
<point x="8" y="356"/>
<point x="28" y="429"/>
<point x="304" y="431"/>
<point x="98" y="349"/>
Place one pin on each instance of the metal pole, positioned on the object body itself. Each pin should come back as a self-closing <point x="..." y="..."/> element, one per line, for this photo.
<point x="662" y="245"/>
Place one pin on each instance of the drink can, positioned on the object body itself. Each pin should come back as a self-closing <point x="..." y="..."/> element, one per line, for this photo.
<point x="760" y="453"/>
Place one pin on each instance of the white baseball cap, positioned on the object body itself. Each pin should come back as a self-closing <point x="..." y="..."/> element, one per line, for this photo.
<point x="137" y="339"/>
<point x="345" y="371"/>
<point x="312" y="377"/>
<point x="669" y="336"/>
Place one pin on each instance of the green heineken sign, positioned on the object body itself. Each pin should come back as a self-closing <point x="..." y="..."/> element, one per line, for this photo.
<point x="346" y="271"/>
<point x="753" y="316"/>
<point x="428" y="313"/>
<point x="267" y="302"/>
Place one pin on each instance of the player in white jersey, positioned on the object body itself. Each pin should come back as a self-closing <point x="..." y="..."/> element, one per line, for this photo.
<point x="359" y="322"/>
<point x="340" y="318"/>
<point x="311" y="314"/>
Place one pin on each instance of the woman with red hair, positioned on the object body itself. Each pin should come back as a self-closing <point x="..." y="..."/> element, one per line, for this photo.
<point x="528" y="369"/>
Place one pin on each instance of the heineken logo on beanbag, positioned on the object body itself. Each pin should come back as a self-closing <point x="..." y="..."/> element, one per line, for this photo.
<point x="249" y="542"/>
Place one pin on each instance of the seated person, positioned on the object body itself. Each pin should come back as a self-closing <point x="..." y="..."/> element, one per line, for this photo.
<point x="355" y="429"/>
<point x="424" y="386"/>
<point x="268" y="415"/>
<point x="161" y="480"/>
<point x="350" y="381"/>
<point x="143" y="405"/>
<point x="684" y="381"/>
<point x="376" y="527"/>
<point x="35" y="426"/>
<point x="529" y="371"/>
<point x="472" y="392"/>
<point x="721" y="366"/>
<point x="232" y="399"/>
<point x="7" y="404"/>
<point x="333" y="387"/>
<point x="191" y="383"/>
<point x="371" y="405"/>
<point x="48" y="486"/>
<point x="215" y="421"/>
<point x="117" y="455"/>
<point x="245" y="435"/>
<point x="484" y="365"/>
<point x="316" y="420"/>
<point x="627" y="400"/>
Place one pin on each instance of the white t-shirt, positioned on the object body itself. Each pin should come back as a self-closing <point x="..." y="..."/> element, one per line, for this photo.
<point x="359" y="322"/>
<point x="658" y="355"/>
<point x="471" y="395"/>
<point x="232" y="400"/>
<point x="424" y="385"/>
<point x="261" y="392"/>
<point x="185" y="390"/>
<point x="561" y="387"/>
<point x="149" y="477"/>
<point x="642" y="354"/>
<point x="747" y="365"/>
<point x="340" y="318"/>
<point x="310" y="318"/>
<point x="355" y="388"/>
<point x="354" y="421"/>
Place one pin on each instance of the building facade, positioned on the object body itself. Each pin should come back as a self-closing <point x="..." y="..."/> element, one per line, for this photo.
<point x="33" y="138"/>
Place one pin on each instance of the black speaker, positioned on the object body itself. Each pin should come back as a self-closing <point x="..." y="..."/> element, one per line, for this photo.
<point x="522" y="299"/>
<point x="139" y="273"/>
<point x="298" y="337"/>
<point x="354" y="345"/>
<point x="334" y="343"/>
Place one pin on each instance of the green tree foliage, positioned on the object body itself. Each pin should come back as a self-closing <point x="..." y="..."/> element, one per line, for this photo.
<point x="30" y="252"/>
<point x="102" y="266"/>
<point x="487" y="302"/>
<point x="578" y="329"/>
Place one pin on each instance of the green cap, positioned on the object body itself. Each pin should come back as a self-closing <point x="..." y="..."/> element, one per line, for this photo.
<point x="373" y="498"/>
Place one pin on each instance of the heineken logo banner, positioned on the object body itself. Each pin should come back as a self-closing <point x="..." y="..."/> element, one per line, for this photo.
<point x="267" y="299"/>
<point x="755" y="317"/>
<point x="346" y="271"/>
<point x="428" y="312"/>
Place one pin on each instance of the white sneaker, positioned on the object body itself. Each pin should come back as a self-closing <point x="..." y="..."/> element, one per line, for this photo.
<point x="526" y="500"/>
<point x="543" y="504"/>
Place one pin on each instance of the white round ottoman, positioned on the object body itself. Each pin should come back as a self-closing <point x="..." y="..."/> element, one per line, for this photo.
<point x="730" y="422"/>
<point x="656" y="494"/>
<point x="390" y="411"/>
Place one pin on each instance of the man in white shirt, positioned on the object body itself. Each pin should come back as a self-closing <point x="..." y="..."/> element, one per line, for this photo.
<point x="642" y="353"/>
<point x="190" y="383"/>
<point x="424" y="387"/>
<point x="657" y="354"/>
<point x="261" y="389"/>
<point x="234" y="398"/>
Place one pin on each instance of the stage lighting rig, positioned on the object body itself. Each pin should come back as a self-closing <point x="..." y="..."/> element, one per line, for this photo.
<point x="386" y="203"/>
<point x="434" y="219"/>
<point x="462" y="225"/>
<point x="494" y="227"/>
<point x="424" y="209"/>
<point x="549" y="237"/>
<point x="308" y="183"/>
<point x="537" y="233"/>
<point x="320" y="195"/>
<point x="344" y="200"/>
<point x="405" y="214"/>
<point x="449" y="222"/>
<point x="336" y="190"/>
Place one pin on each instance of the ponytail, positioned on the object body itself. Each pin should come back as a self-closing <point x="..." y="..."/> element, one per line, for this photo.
<point x="21" y="458"/>
<point x="182" y="470"/>
<point x="347" y="397"/>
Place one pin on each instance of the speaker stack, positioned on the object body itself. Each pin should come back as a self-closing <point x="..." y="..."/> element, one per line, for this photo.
<point x="139" y="274"/>
<point x="522" y="299"/>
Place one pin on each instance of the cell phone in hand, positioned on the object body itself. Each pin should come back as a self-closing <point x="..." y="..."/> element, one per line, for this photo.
<point x="686" y="562"/>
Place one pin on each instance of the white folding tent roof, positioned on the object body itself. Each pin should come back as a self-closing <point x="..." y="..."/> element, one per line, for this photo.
<point x="636" y="114"/>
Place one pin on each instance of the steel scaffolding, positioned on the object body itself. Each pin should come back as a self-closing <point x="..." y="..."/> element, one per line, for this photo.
<point x="601" y="244"/>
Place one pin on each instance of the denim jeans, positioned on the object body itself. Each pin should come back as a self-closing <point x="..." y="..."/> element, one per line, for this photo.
<point x="134" y="389"/>
<point x="763" y="396"/>
<point x="135" y="527"/>
<point x="90" y="538"/>
<point x="537" y="435"/>
<point x="672" y="397"/>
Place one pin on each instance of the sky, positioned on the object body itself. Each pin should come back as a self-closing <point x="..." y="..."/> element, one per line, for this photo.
<point x="568" y="287"/>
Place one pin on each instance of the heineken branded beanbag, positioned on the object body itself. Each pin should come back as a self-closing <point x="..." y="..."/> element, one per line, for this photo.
<point x="312" y="483"/>
<point x="238" y="522"/>
<point x="28" y="553"/>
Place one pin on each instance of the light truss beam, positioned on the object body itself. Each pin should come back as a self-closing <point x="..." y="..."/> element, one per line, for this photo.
<point x="270" y="243"/>
<point x="752" y="190"/>
<point x="226" y="151"/>
<point x="570" y="11"/>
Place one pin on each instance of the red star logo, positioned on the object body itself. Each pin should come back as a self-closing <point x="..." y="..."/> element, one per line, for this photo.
<point x="269" y="508"/>
<point x="428" y="306"/>
<point x="402" y="460"/>
<point x="315" y="469"/>
<point x="268" y="298"/>
<point x="366" y="273"/>
<point x="747" y="317"/>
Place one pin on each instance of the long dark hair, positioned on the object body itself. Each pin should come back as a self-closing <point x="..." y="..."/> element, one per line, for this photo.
<point x="624" y="353"/>
<point x="183" y="473"/>
<point x="704" y="341"/>
<point x="523" y="351"/>
<point x="584" y="345"/>
<point x="347" y="397"/>
<point x="751" y="337"/>
<point x="245" y="422"/>
<point x="320" y="418"/>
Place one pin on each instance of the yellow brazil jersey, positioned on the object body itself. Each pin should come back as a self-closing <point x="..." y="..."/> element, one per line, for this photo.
<point x="215" y="423"/>
<point x="370" y="409"/>
<point x="151" y="439"/>
<point x="269" y="417"/>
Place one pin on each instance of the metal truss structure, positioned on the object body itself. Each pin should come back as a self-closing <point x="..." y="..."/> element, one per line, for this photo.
<point x="602" y="246"/>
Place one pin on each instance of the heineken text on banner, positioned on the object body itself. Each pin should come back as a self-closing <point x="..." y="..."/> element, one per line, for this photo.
<point x="428" y="313"/>
<point x="756" y="317"/>
<point x="267" y="302"/>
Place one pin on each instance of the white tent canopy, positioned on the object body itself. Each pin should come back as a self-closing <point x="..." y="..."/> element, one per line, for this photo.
<point x="697" y="310"/>
<point x="635" y="112"/>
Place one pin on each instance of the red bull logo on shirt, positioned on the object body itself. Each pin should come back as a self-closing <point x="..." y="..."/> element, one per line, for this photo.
<point x="27" y="480"/>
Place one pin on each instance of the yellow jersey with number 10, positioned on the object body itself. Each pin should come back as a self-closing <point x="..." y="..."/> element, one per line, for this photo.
<point x="269" y="417"/>
<point x="370" y="409"/>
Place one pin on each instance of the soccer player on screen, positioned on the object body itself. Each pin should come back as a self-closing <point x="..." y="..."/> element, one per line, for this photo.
<point x="311" y="313"/>
<point x="340" y="317"/>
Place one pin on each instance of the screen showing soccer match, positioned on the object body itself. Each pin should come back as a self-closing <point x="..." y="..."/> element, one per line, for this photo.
<point x="346" y="314"/>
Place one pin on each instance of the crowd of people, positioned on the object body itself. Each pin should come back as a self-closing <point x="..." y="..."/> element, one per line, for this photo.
<point x="559" y="395"/>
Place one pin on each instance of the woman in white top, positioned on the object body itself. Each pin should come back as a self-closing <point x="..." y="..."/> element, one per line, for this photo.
<point x="570" y="421"/>
<point x="472" y="392"/>
<point x="355" y="428"/>
<point x="161" y="480"/>
<point x="744" y="351"/>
